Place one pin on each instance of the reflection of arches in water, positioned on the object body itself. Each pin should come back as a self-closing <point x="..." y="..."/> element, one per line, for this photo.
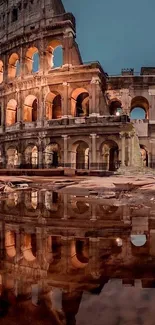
<point x="52" y="155"/>
<point x="109" y="155"/>
<point x="108" y="209"/>
<point x="80" y="207"/>
<point x="56" y="248"/>
<point x="12" y="199"/>
<point x="29" y="247"/>
<point x="138" y="240"/>
<point x="144" y="155"/>
<point x="10" y="240"/>
<point x="79" y="253"/>
<point x="80" y="155"/>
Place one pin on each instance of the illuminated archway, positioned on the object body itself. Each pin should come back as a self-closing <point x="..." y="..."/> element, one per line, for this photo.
<point x="10" y="244"/>
<point x="80" y="102"/>
<point x="32" y="59"/>
<point x="31" y="156"/>
<point x="54" y="54"/>
<point x="12" y="158"/>
<point x="30" y="109"/>
<point x="53" y="106"/>
<point x="11" y="112"/>
<point x="52" y="155"/>
<point x="139" y="108"/>
<point x="80" y="155"/>
<point x="109" y="155"/>
<point x="27" y="248"/>
<point x="14" y="66"/>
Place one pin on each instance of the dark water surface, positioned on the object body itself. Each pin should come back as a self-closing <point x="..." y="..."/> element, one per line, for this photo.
<point x="75" y="260"/>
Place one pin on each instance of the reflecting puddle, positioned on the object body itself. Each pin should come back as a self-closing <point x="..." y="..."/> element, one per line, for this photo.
<point x="75" y="260"/>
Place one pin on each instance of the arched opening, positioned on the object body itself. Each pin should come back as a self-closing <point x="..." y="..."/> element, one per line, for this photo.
<point x="53" y="106"/>
<point x="14" y="66"/>
<point x="31" y="157"/>
<point x="56" y="248"/>
<point x="109" y="156"/>
<point x="139" y="108"/>
<point x="12" y="158"/>
<point x="144" y="155"/>
<point x="30" y="109"/>
<point x="11" y="112"/>
<point x="80" y="102"/>
<point x="28" y="248"/>
<point x="79" y="253"/>
<point x="115" y="107"/>
<point x="1" y="71"/>
<point x="138" y="240"/>
<point x="10" y="243"/>
<point x="52" y="156"/>
<point x="80" y="155"/>
<point x="52" y="201"/>
<point x="54" y="54"/>
<point x="32" y="59"/>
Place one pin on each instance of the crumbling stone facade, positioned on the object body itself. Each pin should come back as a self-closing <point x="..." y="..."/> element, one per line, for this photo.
<point x="65" y="116"/>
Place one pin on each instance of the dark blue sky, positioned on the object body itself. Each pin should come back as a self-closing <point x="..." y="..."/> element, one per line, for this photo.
<point x="119" y="34"/>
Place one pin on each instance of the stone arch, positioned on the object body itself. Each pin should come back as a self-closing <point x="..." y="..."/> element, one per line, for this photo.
<point x="13" y="66"/>
<point x="27" y="248"/>
<point x="144" y="155"/>
<point x="12" y="157"/>
<point x="80" y="102"/>
<point x="1" y="71"/>
<point x="53" y="105"/>
<point x="52" y="155"/>
<point x="31" y="156"/>
<point x="54" y="51"/>
<point x="139" y="108"/>
<point x="11" y="112"/>
<point x="30" y="109"/>
<point x="115" y="107"/>
<point x="10" y="243"/>
<point x="32" y="59"/>
<point x="80" y="155"/>
<point x="138" y="240"/>
<point x="79" y="254"/>
<point x="109" y="152"/>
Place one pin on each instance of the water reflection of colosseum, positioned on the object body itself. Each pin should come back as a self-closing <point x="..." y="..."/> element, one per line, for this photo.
<point x="64" y="244"/>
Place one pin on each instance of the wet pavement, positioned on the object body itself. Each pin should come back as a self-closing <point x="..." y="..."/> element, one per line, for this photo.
<point x="75" y="259"/>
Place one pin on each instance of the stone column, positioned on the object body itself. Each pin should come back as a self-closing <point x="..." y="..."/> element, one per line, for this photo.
<point x="65" y="137"/>
<point x="93" y="151"/>
<point x="122" y="135"/>
<point x="132" y="149"/>
<point x="40" y="110"/>
<point x="66" y="253"/>
<point x="65" y="100"/>
<point x="95" y="93"/>
<point x="40" y="153"/>
<point x="93" y="213"/>
<point x="68" y="41"/>
<point x="129" y="150"/>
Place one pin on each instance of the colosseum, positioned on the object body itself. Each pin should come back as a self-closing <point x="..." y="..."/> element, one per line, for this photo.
<point x="58" y="112"/>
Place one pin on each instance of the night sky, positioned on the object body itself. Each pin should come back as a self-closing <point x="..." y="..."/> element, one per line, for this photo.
<point x="119" y="34"/>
